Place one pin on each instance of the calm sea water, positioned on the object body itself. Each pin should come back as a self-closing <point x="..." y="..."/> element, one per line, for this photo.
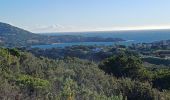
<point x="144" y="36"/>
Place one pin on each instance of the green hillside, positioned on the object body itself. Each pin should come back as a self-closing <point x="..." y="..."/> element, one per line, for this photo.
<point x="24" y="76"/>
<point x="11" y="36"/>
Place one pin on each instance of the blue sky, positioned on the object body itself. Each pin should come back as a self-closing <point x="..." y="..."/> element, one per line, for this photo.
<point x="85" y="15"/>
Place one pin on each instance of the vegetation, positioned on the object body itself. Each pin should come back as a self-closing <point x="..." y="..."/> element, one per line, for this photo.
<point x="28" y="77"/>
<point x="125" y="66"/>
<point x="158" y="61"/>
<point x="92" y="53"/>
<point x="24" y="76"/>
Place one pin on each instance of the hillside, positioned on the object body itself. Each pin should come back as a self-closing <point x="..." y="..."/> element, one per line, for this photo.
<point x="11" y="36"/>
<point x="26" y="77"/>
<point x="14" y="36"/>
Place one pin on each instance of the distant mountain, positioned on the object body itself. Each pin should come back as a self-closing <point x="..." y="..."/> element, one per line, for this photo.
<point x="11" y="36"/>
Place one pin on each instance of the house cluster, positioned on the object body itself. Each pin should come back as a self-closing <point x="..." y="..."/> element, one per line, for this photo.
<point x="159" y="49"/>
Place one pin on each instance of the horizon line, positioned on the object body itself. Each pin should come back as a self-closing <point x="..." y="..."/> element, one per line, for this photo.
<point x="103" y="30"/>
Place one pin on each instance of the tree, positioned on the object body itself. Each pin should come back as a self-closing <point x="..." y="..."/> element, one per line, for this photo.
<point x="125" y="66"/>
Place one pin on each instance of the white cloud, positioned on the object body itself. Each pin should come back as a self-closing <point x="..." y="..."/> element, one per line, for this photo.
<point x="44" y="28"/>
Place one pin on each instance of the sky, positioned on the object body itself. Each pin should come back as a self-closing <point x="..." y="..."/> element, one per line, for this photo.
<point x="85" y="15"/>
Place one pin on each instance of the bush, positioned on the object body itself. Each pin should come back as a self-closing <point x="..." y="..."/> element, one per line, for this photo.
<point x="162" y="79"/>
<point x="35" y="83"/>
<point x="125" y="66"/>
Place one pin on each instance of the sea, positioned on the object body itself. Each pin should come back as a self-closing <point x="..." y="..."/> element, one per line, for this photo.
<point x="135" y="36"/>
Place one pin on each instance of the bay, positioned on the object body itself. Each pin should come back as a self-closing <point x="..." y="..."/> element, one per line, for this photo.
<point x="140" y="36"/>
